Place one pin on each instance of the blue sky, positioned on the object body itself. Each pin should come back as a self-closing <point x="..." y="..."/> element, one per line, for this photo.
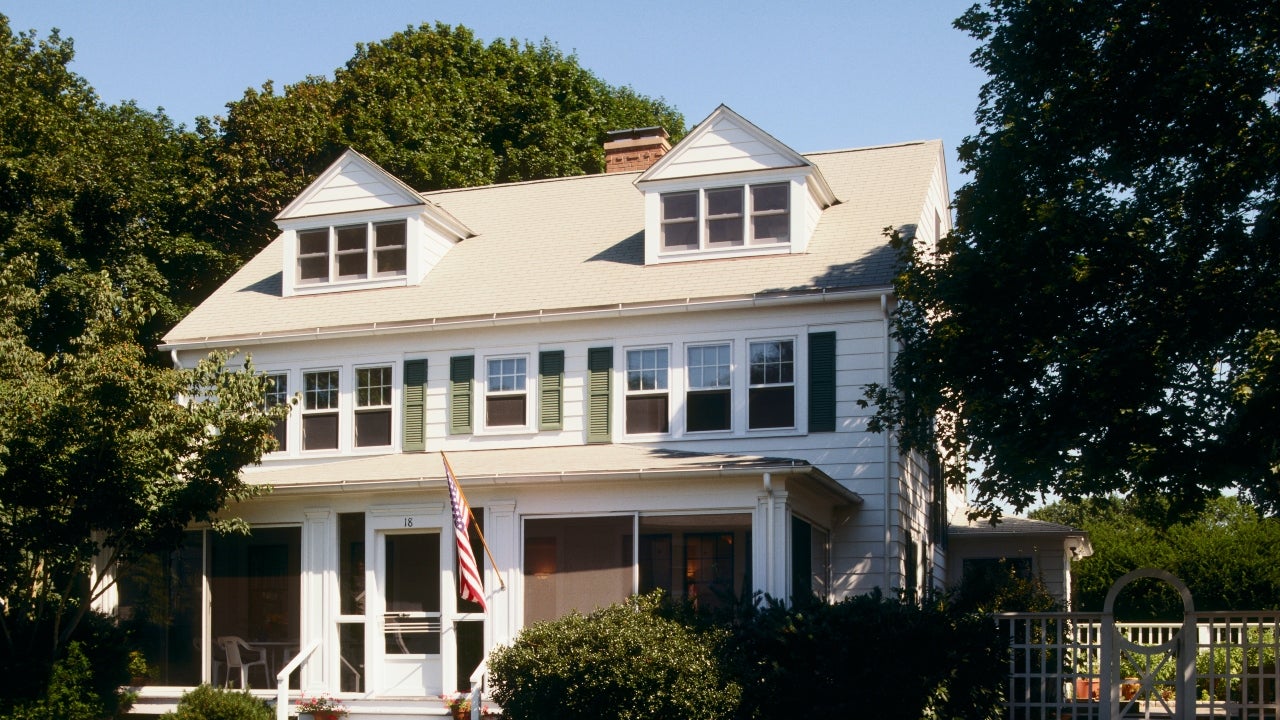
<point x="818" y="76"/>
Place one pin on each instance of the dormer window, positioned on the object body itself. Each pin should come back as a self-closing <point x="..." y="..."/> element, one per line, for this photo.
<point x="351" y="252"/>
<point x="726" y="217"/>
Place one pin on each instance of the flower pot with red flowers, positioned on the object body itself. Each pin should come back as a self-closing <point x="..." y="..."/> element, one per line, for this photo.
<point x="320" y="707"/>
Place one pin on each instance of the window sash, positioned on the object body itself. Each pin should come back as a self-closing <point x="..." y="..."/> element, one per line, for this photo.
<point x="373" y="387"/>
<point x="506" y="397"/>
<point x="278" y="394"/>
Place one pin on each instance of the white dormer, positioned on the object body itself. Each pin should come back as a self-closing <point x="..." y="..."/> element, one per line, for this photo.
<point x="730" y="189"/>
<point x="358" y="226"/>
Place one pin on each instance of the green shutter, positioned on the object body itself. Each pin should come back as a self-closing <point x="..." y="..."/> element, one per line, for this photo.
<point x="462" y="372"/>
<point x="599" y="380"/>
<point x="551" y="390"/>
<point x="415" y="398"/>
<point x="822" y="382"/>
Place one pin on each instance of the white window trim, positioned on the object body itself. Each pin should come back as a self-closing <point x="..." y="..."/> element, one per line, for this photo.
<point x="303" y="412"/>
<point x="799" y="383"/>
<point x="628" y="393"/>
<point x="346" y="407"/>
<point x="390" y="405"/>
<point x="369" y="252"/>
<point x="687" y="387"/>
<point x="480" y="421"/>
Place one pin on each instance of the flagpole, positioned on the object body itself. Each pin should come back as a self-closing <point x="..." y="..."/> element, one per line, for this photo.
<point x="472" y="515"/>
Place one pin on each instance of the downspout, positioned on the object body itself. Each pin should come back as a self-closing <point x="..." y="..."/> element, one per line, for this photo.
<point x="177" y="364"/>
<point x="768" y="534"/>
<point x="888" y="531"/>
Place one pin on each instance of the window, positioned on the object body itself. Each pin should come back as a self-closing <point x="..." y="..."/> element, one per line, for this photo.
<point x="373" y="407"/>
<point x="320" y="410"/>
<point x="504" y="399"/>
<point x="278" y="394"/>
<point x="351" y="252"/>
<point x="647" y="390"/>
<point x="771" y="397"/>
<point x="726" y="217"/>
<point x="708" y="405"/>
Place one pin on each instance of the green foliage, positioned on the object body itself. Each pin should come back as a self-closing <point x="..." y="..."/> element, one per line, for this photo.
<point x="1104" y="316"/>
<point x="868" y="657"/>
<point x="433" y="105"/>
<point x="99" y="465"/>
<point x="1003" y="589"/>
<point x="1247" y="665"/>
<point x="1228" y="554"/>
<point x="68" y="695"/>
<point x="625" y="662"/>
<point x="206" y="703"/>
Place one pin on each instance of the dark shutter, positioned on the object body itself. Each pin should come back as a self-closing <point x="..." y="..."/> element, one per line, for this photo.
<point x="551" y="390"/>
<point x="822" y="382"/>
<point x="462" y="372"/>
<point x="599" y="381"/>
<point x="415" y="400"/>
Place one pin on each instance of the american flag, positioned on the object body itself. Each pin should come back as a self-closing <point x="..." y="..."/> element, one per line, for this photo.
<point x="471" y="588"/>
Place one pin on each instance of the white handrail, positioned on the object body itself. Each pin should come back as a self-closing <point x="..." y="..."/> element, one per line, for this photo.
<point x="477" y="683"/>
<point x="282" y="679"/>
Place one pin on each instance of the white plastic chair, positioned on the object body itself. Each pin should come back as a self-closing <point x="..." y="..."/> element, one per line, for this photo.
<point x="232" y="647"/>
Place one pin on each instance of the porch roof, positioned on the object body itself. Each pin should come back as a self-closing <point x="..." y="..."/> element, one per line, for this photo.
<point x="521" y="466"/>
<point x="1010" y="525"/>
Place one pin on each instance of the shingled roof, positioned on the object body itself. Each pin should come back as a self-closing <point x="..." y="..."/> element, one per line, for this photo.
<point x="556" y="247"/>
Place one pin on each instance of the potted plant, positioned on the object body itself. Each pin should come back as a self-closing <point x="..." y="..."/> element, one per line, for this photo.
<point x="321" y="707"/>
<point x="459" y="705"/>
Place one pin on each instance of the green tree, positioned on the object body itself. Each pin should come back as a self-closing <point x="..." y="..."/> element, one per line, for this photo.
<point x="100" y="465"/>
<point x="433" y="105"/>
<point x="1104" y="315"/>
<point x="1228" y="553"/>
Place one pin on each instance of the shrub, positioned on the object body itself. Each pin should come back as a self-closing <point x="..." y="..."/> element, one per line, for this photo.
<point x="868" y="657"/>
<point x="84" y="683"/>
<point x="625" y="662"/>
<point x="206" y="703"/>
<point x="69" y="694"/>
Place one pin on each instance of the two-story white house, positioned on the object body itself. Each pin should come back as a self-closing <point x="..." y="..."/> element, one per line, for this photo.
<point x="643" y="379"/>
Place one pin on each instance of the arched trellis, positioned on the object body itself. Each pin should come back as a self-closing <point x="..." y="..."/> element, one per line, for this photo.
<point x="1179" y="649"/>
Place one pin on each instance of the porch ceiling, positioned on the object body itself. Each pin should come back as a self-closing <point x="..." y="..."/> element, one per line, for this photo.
<point x="521" y="466"/>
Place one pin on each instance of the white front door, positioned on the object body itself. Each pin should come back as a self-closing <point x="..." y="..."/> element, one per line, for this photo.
<point x="408" y="581"/>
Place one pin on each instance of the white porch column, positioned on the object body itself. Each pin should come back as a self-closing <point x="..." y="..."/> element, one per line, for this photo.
<point x="319" y="574"/>
<point x="503" y="535"/>
<point x="771" y="542"/>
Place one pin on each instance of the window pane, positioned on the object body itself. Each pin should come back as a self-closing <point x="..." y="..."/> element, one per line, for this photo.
<point x="506" y="375"/>
<point x="352" y="266"/>
<point x="389" y="234"/>
<point x="706" y="556"/>
<point x="680" y="236"/>
<point x="575" y="564"/>
<point x="373" y="387"/>
<point x="767" y="229"/>
<point x="313" y="269"/>
<point x="389" y="249"/>
<point x="389" y="262"/>
<point x="320" y="390"/>
<point x="724" y="233"/>
<point x="278" y="394"/>
<point x="313" y="242"/>
<point x="724" y="217"/>
<point x="772" y="362"/>
<point x="647" y="369"/>
<point x="647" y="414"/>
<point x="724" y="201"/>
<point x="351" y="238"/>
<point x="769" y="197"/>
<point x="680" y="206"/>
<point x="373" y="428"/>
<point x="320" y="432"/>
<point x="771" y="407"/>
<point x="351" y="563"/>
<point x="708" y="366"/>
<point x="708" y="410"/>
<point x="504" y="410"/>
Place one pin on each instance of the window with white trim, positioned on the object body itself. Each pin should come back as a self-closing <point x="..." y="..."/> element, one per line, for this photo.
<point x="506" y="399"/>
<point x="373" y="406"/>
<point x="647" y="384"/>
<point x="320" y="410"/>
<point x="276" y="394"/>
<point x="726" y="217"/>
<point x="771" y="391"/>
<point x="709" y="376"/>
<point x="351" y="252"/>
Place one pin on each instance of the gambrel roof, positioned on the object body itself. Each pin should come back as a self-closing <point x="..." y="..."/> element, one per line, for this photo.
<point x="574" y="246"/>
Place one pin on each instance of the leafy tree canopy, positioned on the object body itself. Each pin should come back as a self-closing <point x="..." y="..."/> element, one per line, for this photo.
<point x="433" y="105"/>
<point x="1228" y="554"/>
<point x="1104" y="316"/>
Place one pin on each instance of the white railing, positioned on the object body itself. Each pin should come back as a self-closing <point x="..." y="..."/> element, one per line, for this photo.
<point x="478" y="678"/>
<point x="282" y="679"/>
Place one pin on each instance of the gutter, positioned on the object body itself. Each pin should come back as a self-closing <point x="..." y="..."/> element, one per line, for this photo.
<point x="470" y="322"/>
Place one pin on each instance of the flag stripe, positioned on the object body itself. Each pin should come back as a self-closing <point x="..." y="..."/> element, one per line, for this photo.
<point x="470" y="586"/>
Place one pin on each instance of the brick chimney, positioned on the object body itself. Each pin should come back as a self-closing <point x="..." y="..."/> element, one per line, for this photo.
<point x="634" y="149"/>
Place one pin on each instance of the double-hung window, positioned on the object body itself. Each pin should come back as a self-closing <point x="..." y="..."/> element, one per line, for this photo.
<point x="351" y="252"/>
<point x="373" y="406"/>
<point x="277" y="393"/>
<point x="709" y="403"/>
<point x="320" y="410"/>
<point x="771" y="393"/>
<point x="505" y="399"/>
<point x="726" y="217"/>
<point x="647" y="399"/>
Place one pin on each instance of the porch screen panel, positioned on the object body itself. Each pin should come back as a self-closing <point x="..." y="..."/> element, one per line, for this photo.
<point x="575" y="564"/>
<point x="255" y="586"/>
<point x="159" y="605"/>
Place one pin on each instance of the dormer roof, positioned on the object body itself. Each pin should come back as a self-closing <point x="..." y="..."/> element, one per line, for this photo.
<point x="727" y="143"/>
<point x="353" y="183"/>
